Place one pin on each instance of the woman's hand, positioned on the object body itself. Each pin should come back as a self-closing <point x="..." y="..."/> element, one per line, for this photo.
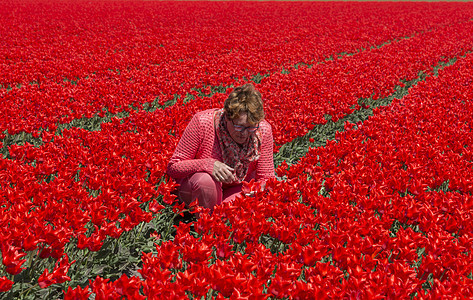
<point x="222" y="172"/>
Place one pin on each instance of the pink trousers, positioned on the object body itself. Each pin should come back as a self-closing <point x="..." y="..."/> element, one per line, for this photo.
<point x="206" y="189"/>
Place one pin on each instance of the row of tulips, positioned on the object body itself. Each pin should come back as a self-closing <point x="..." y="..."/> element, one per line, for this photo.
<point x="115" y="35"/>
<point x="365" y="217"/>
<point x="57" y="68"/>
<point x="335" y="87"/>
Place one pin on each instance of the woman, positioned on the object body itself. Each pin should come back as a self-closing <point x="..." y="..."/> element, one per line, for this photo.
<point x="221" y="148"/>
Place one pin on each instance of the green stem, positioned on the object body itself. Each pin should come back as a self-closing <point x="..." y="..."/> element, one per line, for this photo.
<point x="441" y="276"/>
<point x="116" y="244"/>
<point x="28" y="289"/>
<point x="32" y="266"/>
<point x="30" y="259"/>
<point x="171" y="223"/>
<point x="141" y="229"/>
<point x="272" y="244"/>
<point x="86" y="258"/>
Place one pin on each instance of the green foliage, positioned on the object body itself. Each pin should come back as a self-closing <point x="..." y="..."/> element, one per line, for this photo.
<point x="115" y="257"/>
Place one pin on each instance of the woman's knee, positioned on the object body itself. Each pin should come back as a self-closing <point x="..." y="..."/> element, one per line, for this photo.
<point x="202" y="180"/>
<point x="206" y="189"/>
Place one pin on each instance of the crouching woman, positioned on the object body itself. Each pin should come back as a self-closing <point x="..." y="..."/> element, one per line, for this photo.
<point x="221" y="148"/>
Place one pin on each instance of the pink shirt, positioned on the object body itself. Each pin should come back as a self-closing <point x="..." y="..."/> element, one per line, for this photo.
<point x="199" y="148"/>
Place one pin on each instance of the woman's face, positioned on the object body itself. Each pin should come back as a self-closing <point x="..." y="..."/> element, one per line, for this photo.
<point x="239" y="136"/>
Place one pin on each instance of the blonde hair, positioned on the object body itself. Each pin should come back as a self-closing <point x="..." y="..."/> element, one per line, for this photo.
<point x="245" y="99"/>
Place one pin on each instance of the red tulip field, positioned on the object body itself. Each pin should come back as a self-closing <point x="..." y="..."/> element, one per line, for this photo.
<point x="371" y="107"/>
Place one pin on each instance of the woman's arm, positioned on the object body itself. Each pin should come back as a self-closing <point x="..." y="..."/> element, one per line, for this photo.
<point x="183" y="162"/>
<point x="265" y="165"/>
